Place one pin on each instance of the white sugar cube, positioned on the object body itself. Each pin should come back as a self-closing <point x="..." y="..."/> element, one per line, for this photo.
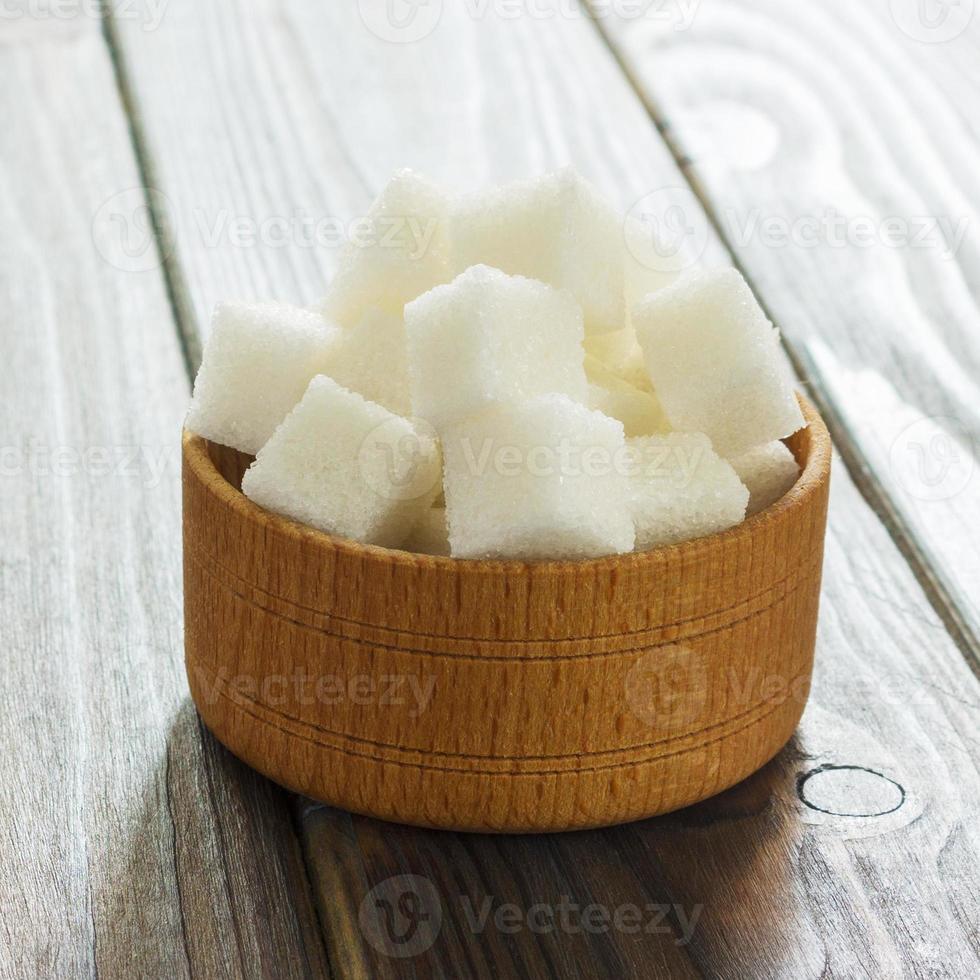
<point x="681" y="489"/>
<point x="489" y="337"/>
<point x="715" y="362"/>
<point x="371" y="359"/>
<point x="431" y="535"/>
<point x="348" y="467"/>
<point x="768" y="471"/>
<point x="257" y="362"/>
<point x="399" y="251"/>
<point x="554" y="228"/>
<point x="653" y="260"/>
<point x="639" y="411"/>
<point x="544" y="479"/>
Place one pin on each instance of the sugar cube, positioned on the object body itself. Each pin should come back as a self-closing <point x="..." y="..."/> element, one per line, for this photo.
<point x="715" y="362"/>
<point x="399" y="252"/>
<point x="489" y="337"/>
<point x="639" y="411"/>
<point x="681" y="489"/>
<point x="257" y="362"/>
<point x="371" y="359"/>
<point x="652" y="263"/>
<point x="542" y="479"/>
<point x="768" y="471"/>
<point x="348" y="467"/>
<point x="431" y="535"/>
<point x="554" y="228"/>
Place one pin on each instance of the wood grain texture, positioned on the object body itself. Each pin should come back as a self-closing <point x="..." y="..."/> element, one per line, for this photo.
<point x="131" y="843"/>
<point x="500" y="906"/>
<point x="500" y="696"/>
<point x="788" y="891"/>
<point x="835" y="145"/>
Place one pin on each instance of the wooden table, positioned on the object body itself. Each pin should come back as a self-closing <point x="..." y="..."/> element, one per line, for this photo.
<point x="828" y="149"/>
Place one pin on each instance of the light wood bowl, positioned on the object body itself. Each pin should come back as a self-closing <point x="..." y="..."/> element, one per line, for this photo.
<point x="499" y="696"/>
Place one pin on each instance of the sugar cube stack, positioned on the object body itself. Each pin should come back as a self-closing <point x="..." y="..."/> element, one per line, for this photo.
<point x="542" y="479"/>
<point x="257" y="363"/>
<point x="510" y="374"/>
<point x="554" y="228"/>
<point x="401" y="251"/>
<point x="715" y="363"/>
<point x="489" y="337"/>
<point x="681" y="489"/>
<point x="768" y="472"/>
<point x="347" y="466"/>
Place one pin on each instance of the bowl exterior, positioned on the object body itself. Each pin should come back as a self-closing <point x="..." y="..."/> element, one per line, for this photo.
<point x="499" y="696"/>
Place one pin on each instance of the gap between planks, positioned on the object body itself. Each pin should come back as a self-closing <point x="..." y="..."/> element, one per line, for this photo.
<point x="174" y="283"/>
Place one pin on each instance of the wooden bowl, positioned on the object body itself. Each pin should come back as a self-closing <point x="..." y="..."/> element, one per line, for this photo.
<point x="499" y="696"/>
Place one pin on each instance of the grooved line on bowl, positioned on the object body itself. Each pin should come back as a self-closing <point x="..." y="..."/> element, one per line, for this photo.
<point x="800" y="572"/>
<point x="509" y="773"/>
<point x="242" y="701"/>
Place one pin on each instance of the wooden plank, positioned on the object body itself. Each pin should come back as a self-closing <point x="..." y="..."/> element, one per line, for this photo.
<point x="831" y="146"/>
<point x="493" y="906"/>
<point x="132" y="844"/>
<point x="310" y="109"/>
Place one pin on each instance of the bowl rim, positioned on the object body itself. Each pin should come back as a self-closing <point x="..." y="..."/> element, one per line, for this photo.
<point x="813" y="477"/>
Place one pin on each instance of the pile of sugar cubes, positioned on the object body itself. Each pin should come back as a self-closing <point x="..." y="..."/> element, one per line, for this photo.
<point x="496" y="375"/>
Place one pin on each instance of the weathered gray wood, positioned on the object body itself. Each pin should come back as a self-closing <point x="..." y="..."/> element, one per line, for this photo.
<point x="131" y="844"/>
<point x="307" y="108"/>
<point x="856" y="116"/>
